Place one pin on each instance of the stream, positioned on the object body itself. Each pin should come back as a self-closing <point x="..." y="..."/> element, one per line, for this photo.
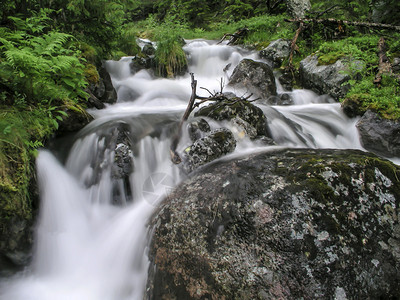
<point x="90" y="246"/>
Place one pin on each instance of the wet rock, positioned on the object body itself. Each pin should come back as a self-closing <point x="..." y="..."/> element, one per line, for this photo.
<point x="16" y="239"/>
<point x="352" y="107"/>
<point x="328" y="79"/>
<point x="122" y="167"/>
<point x="255" y="77"/>
<point x="137" y="64"/>
<point x="276" y="52"/>
<point x="110" y="95"/>
<point x="102" y="91"/>
<point x="286" y="80"/>
<point x="141" y="63"/>
<point x="298" y="8"/>
<point x="206" y="149"/>
<point x="396" y="65"/>
<point x="283" y="99"/>
<point x="73" y="122"/>
<point x="198" y="129"/>
<point x="242" y="111"/>
<point x="379" y="135"/>
<point x="287" y="224"/>
<point x="148" y="49"/>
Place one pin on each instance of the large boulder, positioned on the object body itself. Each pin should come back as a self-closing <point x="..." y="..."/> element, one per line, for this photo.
<point x="328" y="79"/>
<point x="276" y="52"/>
<point x="241" y="113"/>
<point x="255" y="77"/>
<point x="289" y="224"/>
<point x="379" y="135"/>
<point x="298" y="8"/>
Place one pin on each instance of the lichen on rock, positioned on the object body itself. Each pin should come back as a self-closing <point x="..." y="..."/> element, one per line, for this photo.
<point x="281" y="224"/>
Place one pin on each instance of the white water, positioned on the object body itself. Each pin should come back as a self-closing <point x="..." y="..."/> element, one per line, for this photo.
<point x="88" y="248"/>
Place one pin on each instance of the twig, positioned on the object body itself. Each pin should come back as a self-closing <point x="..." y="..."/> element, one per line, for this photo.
<point x="207" y="90"/>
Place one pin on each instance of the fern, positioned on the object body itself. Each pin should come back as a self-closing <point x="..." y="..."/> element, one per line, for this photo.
<point x="44" y="67"/>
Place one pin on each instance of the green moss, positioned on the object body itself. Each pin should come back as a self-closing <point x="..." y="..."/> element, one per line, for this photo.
<point x="21" y="132"/>
<point x="329" y="58"/>
<point x="91" y="74"/>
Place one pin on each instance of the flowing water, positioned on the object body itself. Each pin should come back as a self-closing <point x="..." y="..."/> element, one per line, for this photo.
<point x="87" y="246"/>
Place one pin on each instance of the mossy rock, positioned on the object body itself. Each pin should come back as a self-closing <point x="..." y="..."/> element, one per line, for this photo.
<point x="237" y="108"/>
<point x="284" y="224"/>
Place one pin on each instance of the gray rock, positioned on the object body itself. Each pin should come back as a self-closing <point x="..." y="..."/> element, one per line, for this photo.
<point x="379" y="135"/>
<point x="257" y="77"/>
<point x="298" y="8"/>
<point x="102" y="91"/>
<point x="289" y="224"/>
<point x="198" y="129"/>
<point x="328" y="79"/>
<point x="148" y="49"/>
<point x="206" y="149"/>
<point x="122" y="167"/>
<point x="283" y="99"/>
<point x="250" y="115"/>
<point x="396" y="65"/>
<point x="15" y="244"/>
<point x="110" y="95"/>
<point x="276" y="52"/>
<point x="73" y="122"/>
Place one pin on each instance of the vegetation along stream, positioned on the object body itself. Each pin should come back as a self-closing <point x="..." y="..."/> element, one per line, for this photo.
<point x="176" y="162"/>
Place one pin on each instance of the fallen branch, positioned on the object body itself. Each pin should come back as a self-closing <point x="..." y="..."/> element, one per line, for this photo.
<point x="293" y="46"/>
<point x="384" y="63"/>
<point x="242" y="32"/>
<point x="174" y="155"/>
<point x="217" y="96"/>
<point x="341" y="22"/>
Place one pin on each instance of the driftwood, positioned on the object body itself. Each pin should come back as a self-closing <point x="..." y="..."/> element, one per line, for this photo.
<point x="384" y="63"/>
<point x="175" y="158"/>
<point x="344" y="22"/>
<point x="293" y="47"/>
<point x="242" y="32"/>
<point x="216" y="96"/>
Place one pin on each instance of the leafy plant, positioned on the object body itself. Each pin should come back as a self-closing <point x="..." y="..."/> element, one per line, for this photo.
<point x="44" y="68"/>
<point x="170" y="57"/>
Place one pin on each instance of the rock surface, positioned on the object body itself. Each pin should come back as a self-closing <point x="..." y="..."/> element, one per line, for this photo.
<point x="298" y="8"/>
<point x="256" y="77"/>
<point x="241" y="112"/>
<point x="288" y="224"/>
<point x="206" y="149"/>
<point x="379" y="135"/>
<point x="198" y="129"/>
<point x="103" y="90"/>
<point x="327" y="79"/>
<point x="276" y="52"/>
<point x="73" y="122"/>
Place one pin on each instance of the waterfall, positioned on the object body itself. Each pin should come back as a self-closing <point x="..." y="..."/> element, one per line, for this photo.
<point x="87" y="247"/>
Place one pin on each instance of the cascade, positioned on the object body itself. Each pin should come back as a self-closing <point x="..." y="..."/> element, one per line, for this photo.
<point x="87" y="247"/>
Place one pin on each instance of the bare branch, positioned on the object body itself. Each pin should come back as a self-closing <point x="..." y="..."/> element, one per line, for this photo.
<point x="207" y="90"/>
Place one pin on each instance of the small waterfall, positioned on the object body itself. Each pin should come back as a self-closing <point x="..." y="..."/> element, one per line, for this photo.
<point x="87" y="247"/>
